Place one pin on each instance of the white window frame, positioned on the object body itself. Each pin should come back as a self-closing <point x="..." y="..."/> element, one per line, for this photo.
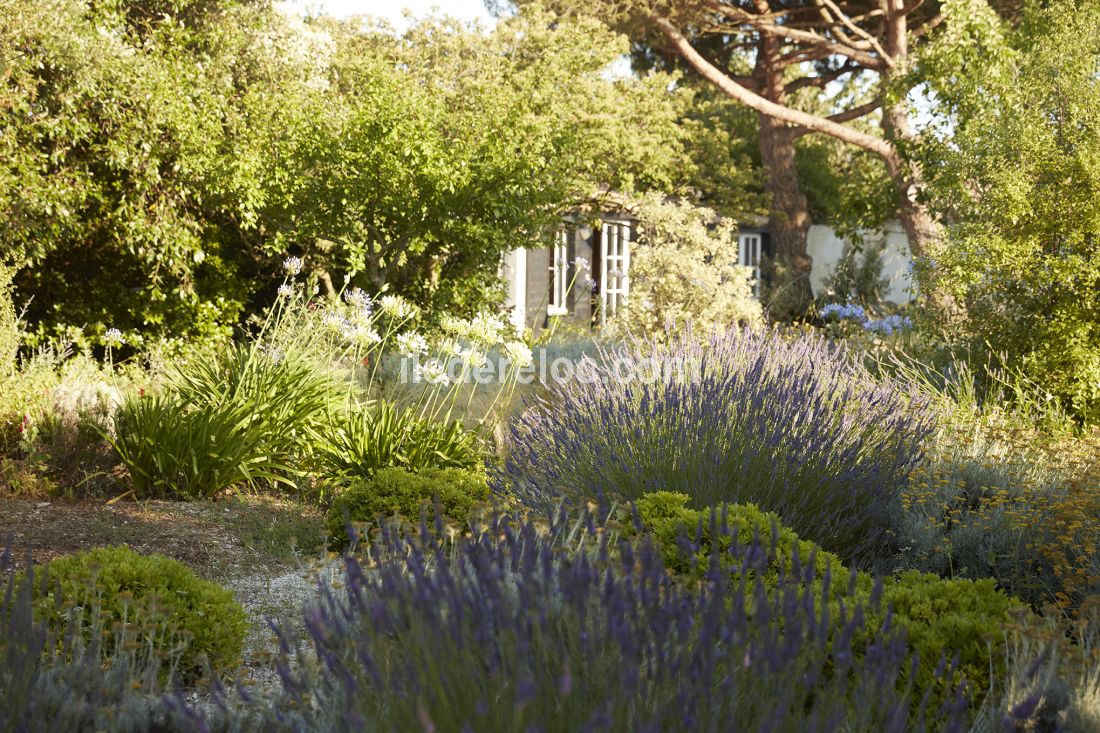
<point x="513" y="269"/>
<point x="558" y="304"/>
<point x="614" y="258"/>
<point x="748" y="255"/>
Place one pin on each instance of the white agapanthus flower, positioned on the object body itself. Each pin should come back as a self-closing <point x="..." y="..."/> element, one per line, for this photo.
<point x="285" y="291"/>
<point x="432" y="372"/>
<point x="411" y="343"/>
<point x="457" y="326"/>
<point x="472" y="358"/>
<point x="334" y="322"/>
<point x="113" y="337"/>
<point x="361" y="317"/>
<point x="292" y="266"/>
<point x="356" y="298"/>
<point x="486" y="329"/>
<point x="361" y="335"/>
<point x="518" y="353"/>
<point x="448" y="348"/>
<point x="581" y="264"/>
<point x="397" y="307"/>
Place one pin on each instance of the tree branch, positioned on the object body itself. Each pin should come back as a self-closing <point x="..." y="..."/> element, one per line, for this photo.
<point x="829" y="8"/>
<point x="821" y="80"/>
<point x="856" y="112"/>
<point x="812" y="123"/>
<point x="761" y="24"/>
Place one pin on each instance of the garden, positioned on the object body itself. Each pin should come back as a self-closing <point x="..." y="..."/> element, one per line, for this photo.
<point x="275" y="455"/>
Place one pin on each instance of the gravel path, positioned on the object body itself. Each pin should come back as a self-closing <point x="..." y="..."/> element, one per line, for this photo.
<point x="281" y="598"/>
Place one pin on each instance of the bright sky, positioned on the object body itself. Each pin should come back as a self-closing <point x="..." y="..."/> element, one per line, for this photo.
<point x="393" y="10"/>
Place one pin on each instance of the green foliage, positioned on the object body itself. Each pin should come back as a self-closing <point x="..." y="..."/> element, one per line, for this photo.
<point x="1016" y="173"/>
<point x="106" y="195"/>
<point x="667" y="517"/>
<point x="846" y="187"/>
<point x="158" y="158"/>
<point x="251" y="413"/>
<point x="284" y="394"/>
<point x="453" y="492"/>
<point x="181" y="613"/>
<point x="174" y="451"/>
<point x="682" y="275"/>
<point x="725" y="173"/>
<point x="381" y="435"/>
<point x="857" y="276"/>
<point x="365" y="176"/>
<point x="942" y="617"/>
<point x="55" y="680"/>
<point x="9" y="327"/>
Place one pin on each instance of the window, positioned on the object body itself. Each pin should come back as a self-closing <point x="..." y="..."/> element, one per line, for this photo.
<point x="614" y="268"/>
<point x="748" y="255"/>
<point x="559" y="275"/>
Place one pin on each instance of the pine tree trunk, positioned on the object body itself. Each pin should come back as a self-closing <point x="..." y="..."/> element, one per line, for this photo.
<point x="789" y="215"/>
<point x="919" y="225"/>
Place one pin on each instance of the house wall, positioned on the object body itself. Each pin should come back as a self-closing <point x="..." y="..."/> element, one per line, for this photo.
<point x="527" y="271"/>
<point x="826" y="247"/>
<point x="513" y="269"/>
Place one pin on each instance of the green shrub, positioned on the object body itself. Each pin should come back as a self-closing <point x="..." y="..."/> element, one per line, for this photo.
<point x="951" y="616"/>
<point x="667" y="518"/>
<point x="152" y="594"/>
<point x="381" y="435"/>
<point x="398" y="491"/>
<point x="53" y="680"/>
<point x="9" y="327"/>
<point x="942" y="617"/>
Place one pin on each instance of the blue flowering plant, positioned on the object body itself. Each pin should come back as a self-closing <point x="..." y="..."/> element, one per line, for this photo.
<point x="853" y="314"/>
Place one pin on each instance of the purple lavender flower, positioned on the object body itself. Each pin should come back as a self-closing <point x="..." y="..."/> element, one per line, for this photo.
<point x="796" y="427"/>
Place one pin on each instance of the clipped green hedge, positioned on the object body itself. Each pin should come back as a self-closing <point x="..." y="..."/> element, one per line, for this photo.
<point x="942" y="617"/>
<point x="158" y="597"/>
<point x="406" y="494"/>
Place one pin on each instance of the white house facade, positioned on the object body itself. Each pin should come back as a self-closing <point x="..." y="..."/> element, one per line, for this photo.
<point x="546" y="282"/>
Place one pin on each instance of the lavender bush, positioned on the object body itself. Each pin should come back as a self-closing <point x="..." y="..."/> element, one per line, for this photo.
<point x="503" y="630"/>
<point x="794" y="426"/>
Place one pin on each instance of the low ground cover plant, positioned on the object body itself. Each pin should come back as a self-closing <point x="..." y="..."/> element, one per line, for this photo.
<point x="941" y="617"/>
<point x="53" y="677"/>
<point x="194" y="625"/>
<point x="794" y="426"/>
<point x="404" y="494"/>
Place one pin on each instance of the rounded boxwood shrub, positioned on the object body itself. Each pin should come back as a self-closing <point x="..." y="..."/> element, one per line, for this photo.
<point x="941" y="617"/>
<point x="406" y="494"/>
<point x="200" y="620"/>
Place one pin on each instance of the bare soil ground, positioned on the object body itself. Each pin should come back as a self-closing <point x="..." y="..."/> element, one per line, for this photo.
<point x="218" y="540"/>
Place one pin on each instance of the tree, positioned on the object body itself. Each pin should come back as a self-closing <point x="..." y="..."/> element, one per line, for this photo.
<point x="159" y="158"/>
<point x="871" y="37"/>
<point x="816" y="67"/>
<point x="1014" y="169"/>
<point x="434" y="152"/>
<point x="113" y="146"/>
